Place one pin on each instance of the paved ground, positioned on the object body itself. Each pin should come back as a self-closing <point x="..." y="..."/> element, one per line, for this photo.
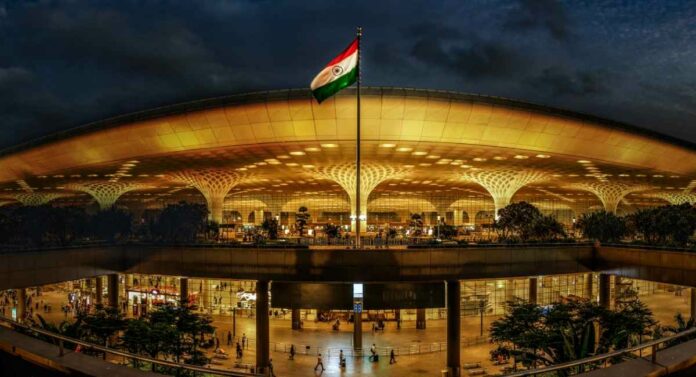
<point x="321" y="338"/>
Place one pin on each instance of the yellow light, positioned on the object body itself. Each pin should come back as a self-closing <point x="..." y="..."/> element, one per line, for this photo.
<point x="584" y="162"/>
<point x="432" y="157"/>
<point x="291" y="164"/>
<point x="499" y="158"/>
<point x="479" y="159"/>
<point x="465" y="166"/>
<point x="297" y="153"/>
<point x="329" y="145"/>
<point x="387" y="145"/>
<point x="312" y="149"/>
<point x="404" y="149"/>
<point x="543" y="156"/>
<point x="521" y="157"/>
<point x="283" y="157"/>
<point x="419" y="153"/>
<point x="308" y="166"/>
<point x="409" y="166"/>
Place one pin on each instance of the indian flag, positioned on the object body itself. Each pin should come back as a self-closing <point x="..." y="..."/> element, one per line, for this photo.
<point x="341" y="72"/>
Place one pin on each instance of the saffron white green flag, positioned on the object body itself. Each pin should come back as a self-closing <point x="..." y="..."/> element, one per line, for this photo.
<point x="341" y="72"/>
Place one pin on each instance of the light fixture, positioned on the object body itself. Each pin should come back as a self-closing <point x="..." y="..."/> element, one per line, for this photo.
<point x="542" y="156"/>
<point x="419" y="153"/>
<point x="313" y="149"/>
<point x="521" y="157"/>
<point x="329" y="145"/>
<point x="404" y="149"/>
<point x="479" y="159"/>
<point x="584" y="162"/>
<point x="297" y="153"/>
<point x="387" y="145"/>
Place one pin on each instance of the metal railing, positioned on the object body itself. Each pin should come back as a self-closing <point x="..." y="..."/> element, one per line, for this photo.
<point x="125" y="357"/>
<point x="605" y="360"/>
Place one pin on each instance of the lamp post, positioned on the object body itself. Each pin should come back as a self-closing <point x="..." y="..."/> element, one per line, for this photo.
<point x="438" y="227"/>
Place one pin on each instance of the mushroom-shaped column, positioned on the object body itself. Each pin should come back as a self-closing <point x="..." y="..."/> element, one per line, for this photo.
<point x="33" y="199"/>
<point x="610" y="193"/>
<point x="371" y="175"/>
<point x="214" y="184"/>
<point x="503" y="184"/>
<point x="675" y="198"/>
<point x="106" y="193"/>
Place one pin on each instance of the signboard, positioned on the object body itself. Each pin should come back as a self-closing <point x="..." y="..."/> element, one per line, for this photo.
<point x="357" y="307"/>
<point x="325" y="296"/>
<point x="403" y="295"/>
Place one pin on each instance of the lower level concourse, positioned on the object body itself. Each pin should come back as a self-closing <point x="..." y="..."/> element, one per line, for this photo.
<point x="419" y="337"/>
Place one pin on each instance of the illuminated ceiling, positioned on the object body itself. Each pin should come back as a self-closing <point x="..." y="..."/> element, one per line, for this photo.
<point x="284" y="143"/>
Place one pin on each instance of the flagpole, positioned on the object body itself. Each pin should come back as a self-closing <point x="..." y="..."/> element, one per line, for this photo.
<point x="357" y="151"/>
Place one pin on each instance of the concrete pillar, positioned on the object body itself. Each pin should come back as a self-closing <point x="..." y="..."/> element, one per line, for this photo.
<point x="453" y="327"/>
<point x="112" y="287"/>
<point x="262" y="332"/>
<point x="509" y="290"/>
<point x="357" y="331"/>
<point x="588" y="286"/>
<point x="420" y="319"/>
<point x="258" y="217"/>
<point x="693" y="302"/>
<point x="533" y="287"/>
<point x="183" y="291"/>
<point x="21" y="304"/>
<point x="99" y="290"/>
<point x="604" y="290"/>
<point x="295" y="319"/>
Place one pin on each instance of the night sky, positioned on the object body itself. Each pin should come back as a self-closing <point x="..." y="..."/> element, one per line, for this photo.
<point x="63" y="64"/>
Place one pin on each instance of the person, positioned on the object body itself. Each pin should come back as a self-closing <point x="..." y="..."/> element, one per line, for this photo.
<point x="341" y="360"/>
<point x="270" y="368"/>
<point x="373" y="352"/>
<point x="392" y="357"/>
<point x="229" y="338"/>
<point x="239" y="351"/>
<point x="292" y="352"/>
<point x="244" y="341"/>
<point x="319" y="363"/>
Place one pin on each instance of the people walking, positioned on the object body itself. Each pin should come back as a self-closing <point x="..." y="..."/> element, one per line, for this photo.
<point x="319" y="363"/>
<point x="292" y="352"/>
<point x="270" y="368"/>
<point x="239" y="351"/>
<point x="229" y="338"/>
<point x="341" y="360"/>
<point x="373" y="353"/>
<point x="244" y="341"/>
<point x="392" y="357"/>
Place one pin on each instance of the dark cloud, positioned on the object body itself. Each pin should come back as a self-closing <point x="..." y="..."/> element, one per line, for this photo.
<point x="471" y="58"/>
<point x="547" y="15"/>
<point x="556" y="82"/>
<point x="64" y="63"/>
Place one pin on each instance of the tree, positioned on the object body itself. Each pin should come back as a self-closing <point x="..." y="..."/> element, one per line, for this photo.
<point x="111" y="224"/>
<point x="102" y="325"/>
<point x="270" y="226"/>
<point x="547" y="228"/>
<point x="447" y="231"/>
<point x="565" y="331"/>
<point x="664" y="225"/>
<point x="603" y="226"/>
<point x="518" y="219"/>
<point x="301" y="219"/>
<point x="181" y="222"/>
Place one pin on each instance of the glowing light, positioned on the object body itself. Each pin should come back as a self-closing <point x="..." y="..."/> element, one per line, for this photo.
<point x="313" y="149"/>
<point x="479" y="159"/>
<point x="387" y="145"/>
<point x="521" y="157"/>
<point x="419" y="153"/>
<point x="542" y="156"/>
<point x="329" y="145"/>
<point x="499" y="158"/>
<point x="404" y="149"/>
<point x="297" y="153"/>
<point x="584" y="162"/>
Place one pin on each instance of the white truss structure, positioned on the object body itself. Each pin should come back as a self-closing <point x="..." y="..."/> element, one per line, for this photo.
<point x="214" y="184"/>
<point x="610" y="193"/>
<point x="34" y="198"/>
<point x="675" y="198"/>
<point x="503" y="184"/>
<point x="106" y="193"/>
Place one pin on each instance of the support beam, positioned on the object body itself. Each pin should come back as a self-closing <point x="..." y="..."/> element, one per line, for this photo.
<point x="112" y="287"/>
<point x="453" y="327"/>
<point x="295" y="319"/>
<point x="21" y="304"/>
<point x="183" y="291"/>
<point x="605" y="290"/>
<point x="533" y="288"/>
<point x="357" y="331"/>
<point x="262" y="331"/>
<point x="504" y="183"/>
<point x="99" y="289"/>
<point x="420" y="319"/>
<point x="589" y="286"/>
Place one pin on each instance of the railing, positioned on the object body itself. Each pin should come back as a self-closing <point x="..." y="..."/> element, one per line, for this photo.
<point x="125" y="357"/>
<point x="603" y="360"/>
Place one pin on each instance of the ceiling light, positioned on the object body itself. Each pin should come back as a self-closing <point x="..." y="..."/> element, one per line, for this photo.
<point x="433" y="157"/>
<point x="387" y="145"/>
<point x="291" y="164"/>
<point x="419" y="153"/>
<point x="283" y="157"/>
<point x="329" y="145"/>
<point x="521" y="157"/>
<point x="308" y="166"/>
<point x="479" y="159"/>
<point x="404" y="149"/>
<point x="499" y="158"/>
<point x="584" y="162"/>
<point x="297" y="153"/>
<point x="465" y="166"/>
<point x="543" y="156"/>
<point x="313" y="149"/>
